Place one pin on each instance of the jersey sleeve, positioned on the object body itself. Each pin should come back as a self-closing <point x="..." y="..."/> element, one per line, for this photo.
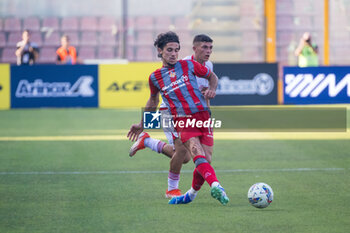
<point x="200" y="70"/>
<point x="152" y="87"/>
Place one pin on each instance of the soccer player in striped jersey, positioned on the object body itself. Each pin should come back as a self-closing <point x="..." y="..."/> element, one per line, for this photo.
<point x="176" y="82"/>
<point x="202" y="47"/>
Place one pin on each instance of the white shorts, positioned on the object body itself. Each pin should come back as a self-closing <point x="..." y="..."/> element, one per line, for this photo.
<point x="168" y="128"/>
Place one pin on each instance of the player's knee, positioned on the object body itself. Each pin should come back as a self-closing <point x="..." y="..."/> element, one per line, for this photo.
<point x="187" y="157"/>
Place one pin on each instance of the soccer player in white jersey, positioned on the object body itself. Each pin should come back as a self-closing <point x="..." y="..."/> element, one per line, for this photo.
<point x="202" y="47"/>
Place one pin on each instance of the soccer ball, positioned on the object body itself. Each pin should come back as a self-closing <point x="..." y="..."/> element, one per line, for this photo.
<point x="260" y="195"/>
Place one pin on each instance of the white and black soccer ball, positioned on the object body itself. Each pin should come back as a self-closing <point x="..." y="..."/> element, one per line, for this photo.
<point x="260" y="195"/>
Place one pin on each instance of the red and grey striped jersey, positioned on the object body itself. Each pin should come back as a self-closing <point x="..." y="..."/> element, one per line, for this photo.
<point x="179" y="88"/>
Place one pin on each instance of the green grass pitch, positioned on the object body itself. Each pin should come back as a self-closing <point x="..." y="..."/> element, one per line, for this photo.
<point x="94" y="186"/>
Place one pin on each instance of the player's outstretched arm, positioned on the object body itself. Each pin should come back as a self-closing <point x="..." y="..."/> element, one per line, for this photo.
<point x="213" y="84"/>
<point x="136" y="129"/>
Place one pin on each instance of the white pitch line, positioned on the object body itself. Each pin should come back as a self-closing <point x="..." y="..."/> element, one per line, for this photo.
<point x="166" y="172"/>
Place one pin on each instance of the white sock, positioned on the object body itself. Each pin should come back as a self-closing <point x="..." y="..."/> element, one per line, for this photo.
<point x="152" y="144"/>
<point x="215" y="184"/>
<point x="192" y="193"/>
<point x="173" y="181"/>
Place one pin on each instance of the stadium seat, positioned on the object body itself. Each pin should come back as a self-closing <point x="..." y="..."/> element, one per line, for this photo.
<point x="31" y="23"/>
<point x="88" y="23"/>
<point x="182" y="24"/>
<point x="106" y="52"/>
<point x="52" y="39"/>
<point x="51" y="23"/>
<point x="47" y="56"/>
<point x="285" y="37"/>
<point x="14" y="38"/>
<point x="131" y="39"/>
<point x="107" y="24"/>
<point x="284" y="7"/>
<point x="249" y="23"/>
<point x="284" y="23"/>
<point x="108" y="39"/>
<point x="144" y="23"/>
<point x="130" y="53"/>
<point x="12" y="25"/>
<point x="69" y="24"/>
<point x="145" y="54"/>
<point x="2" y="39"/>
<point x="163" y="23"/>
<point x="88" y="38"/>
<point x="36" y="37"/>
<point x="303" y="22"/>
<point x="73" y="38"/>
<point x="8" y="55"/>
<point x="87" y="53"/>
<point x="248" y="8"/>
<point x="251" y="38"/>
<point x="144" y="38"/>
<point x="185" y="38"/>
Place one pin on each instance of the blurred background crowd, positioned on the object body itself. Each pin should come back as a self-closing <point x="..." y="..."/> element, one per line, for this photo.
<point x="125" y="29"/>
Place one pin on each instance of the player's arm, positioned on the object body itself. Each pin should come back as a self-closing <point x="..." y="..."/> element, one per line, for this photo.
<point x="213" y="84"/>
<point x="203" y="72"/>
<point x="151" y="105"/>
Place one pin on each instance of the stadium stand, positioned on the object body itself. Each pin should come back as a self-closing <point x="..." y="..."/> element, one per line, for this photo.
<point x="50" y="23"/>
<point x="144" y="54"/>
<point x="2" y="39"/>
<point x="69" y="24"/>
<point x="31" y="23"/>
<point x="12" y="24"/>
<point x="13" y="38"/>
<point x="51" y="39"/>
<point x="106" y="52"/>
<point x="108" y="39"/>
<point x="87" y="52"/>
<point x="88" y="38"/>
<point x="47" y="55"/>
<point x="8" y="55"/>
<point x="88" y="24"/>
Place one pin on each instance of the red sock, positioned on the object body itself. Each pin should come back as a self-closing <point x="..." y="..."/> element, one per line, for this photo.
<point x="197" y="181"/>
<point x="206" y="170"/>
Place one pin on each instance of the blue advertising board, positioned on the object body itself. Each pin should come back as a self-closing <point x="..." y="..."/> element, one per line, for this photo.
<point x="316" y="85"/>
<point x="54" y="86"/>
<point x="246" y="84"/>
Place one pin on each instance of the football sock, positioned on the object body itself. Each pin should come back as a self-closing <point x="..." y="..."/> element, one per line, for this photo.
<point x="192" y="193"/>
<point x="173" y="181"/>
<point x="215" y="184"/>
<point x="205" y="169"/>
<point x="154" y="144"/>
<point x="197" y="180"/>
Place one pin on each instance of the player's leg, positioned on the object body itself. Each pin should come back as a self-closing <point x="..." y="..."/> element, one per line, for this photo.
<point x="180" y="156"/>
<point x="144" y="140"/>
<point x="208" y="151"/>
<point x="206" y="171"/>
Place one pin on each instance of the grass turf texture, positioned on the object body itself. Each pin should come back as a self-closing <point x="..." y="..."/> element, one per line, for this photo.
<point x="305" y="201"/>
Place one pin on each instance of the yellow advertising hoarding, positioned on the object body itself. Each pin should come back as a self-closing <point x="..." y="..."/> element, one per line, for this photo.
<point x="125" y="85"/>
<point x="4" y="86"/>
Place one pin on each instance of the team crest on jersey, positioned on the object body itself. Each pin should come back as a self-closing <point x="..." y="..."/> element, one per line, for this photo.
<point x="172" y="74"/>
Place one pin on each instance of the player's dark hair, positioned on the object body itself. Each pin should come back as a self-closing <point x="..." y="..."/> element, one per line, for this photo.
<point x="164" y="38"/>
<point x="202" y="38"/>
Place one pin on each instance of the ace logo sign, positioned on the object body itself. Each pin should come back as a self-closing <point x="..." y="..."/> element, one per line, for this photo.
<point x="151" y="120"/>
